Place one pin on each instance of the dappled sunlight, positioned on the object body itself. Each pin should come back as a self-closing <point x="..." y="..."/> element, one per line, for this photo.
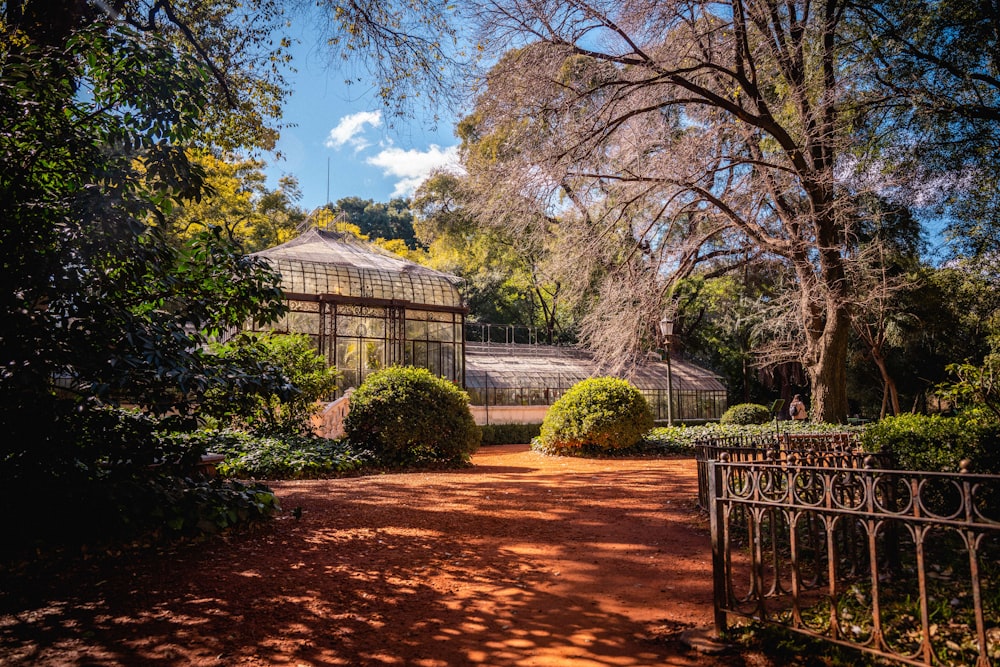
<point x="497" y="565"/>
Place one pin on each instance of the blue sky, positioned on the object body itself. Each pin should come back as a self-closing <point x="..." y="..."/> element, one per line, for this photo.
<point x="343" y="126"/>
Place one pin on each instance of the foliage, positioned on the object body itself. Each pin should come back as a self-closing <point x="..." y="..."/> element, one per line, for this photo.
<point x="407" y="415"/>
<point x="600" y="413"/>
<point x="94" y="295"/>
<point x="505" y="281"/>
<point x="237" y="200"/>
<point x="282" y="457"/>
<point x="682" y="439"/>
<point x="284" y="405"/>
<point x="564" y="130"/>
<point x="392" y="220"/>
<point x="975" y="385"/>
<point x="509" y="434"/>
<point x="99" y="308"/>
<point x="130" y="479"/>
<point x="936" y="443"/>
<point x="934" y="65"/>
<point x="718" y="318"/>
<point x="746" y="413"/>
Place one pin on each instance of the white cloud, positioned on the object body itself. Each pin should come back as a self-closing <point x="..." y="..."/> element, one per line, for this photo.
<point x="349" y="129"/>
<point x="412" y="167"/>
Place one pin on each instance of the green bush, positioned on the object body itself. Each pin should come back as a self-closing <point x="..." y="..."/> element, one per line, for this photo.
<point x="407" y="416"/>
<point x="746" y="413"/>
<point x="598" y="413"/>
<point x="682" y="439"/>
<point x="936" y="443"/>
<point x="131" y="481"/>
<point x="509" y="434"/>
<point x="280" y="400"/>
<point x="282" y="457"/>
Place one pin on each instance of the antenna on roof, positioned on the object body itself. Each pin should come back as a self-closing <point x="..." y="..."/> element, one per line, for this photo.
<point x="328" y="180"/>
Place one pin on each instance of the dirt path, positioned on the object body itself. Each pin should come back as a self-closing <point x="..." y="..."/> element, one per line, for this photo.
<point x="521" y="560"/>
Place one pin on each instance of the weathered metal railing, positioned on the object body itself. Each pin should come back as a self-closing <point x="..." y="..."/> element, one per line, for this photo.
<point x="902" y="564"/>
<point x="823" y="449"/>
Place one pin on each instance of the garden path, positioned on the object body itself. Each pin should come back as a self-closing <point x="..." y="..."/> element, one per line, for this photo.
<point x="522" y="559"/>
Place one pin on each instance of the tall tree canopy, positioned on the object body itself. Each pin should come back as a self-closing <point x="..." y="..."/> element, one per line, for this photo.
<point x="237" y="199"/>
<point x="377" y="220"/>
<point x="692" y="131"/>
<point x="935" y="80"/>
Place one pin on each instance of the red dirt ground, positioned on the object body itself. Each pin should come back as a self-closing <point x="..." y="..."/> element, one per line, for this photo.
<point x="522" y="559"/>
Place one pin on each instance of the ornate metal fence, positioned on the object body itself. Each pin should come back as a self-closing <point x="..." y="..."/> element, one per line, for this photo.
<point x="902" y="564"/>
<point x="822" y="449"/>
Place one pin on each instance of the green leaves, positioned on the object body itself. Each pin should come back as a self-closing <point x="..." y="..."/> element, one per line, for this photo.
<point x="406" y="415"/>
<point x="604" y="413"/>
<point x="272" y="383"/>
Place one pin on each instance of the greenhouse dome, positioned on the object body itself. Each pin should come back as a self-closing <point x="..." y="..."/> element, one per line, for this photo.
<point x="366" y="308"/>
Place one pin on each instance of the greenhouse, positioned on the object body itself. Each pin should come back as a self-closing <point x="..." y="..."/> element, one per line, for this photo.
<point x="499" y="377"/>
<point x="366" y="308"/>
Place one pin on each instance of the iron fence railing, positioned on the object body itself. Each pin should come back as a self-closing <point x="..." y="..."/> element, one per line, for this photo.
<point x="822" y="449"/>
<point x="901" y="564"/>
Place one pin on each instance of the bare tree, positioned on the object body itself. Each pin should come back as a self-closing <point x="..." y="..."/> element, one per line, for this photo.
<point x="709" y="127"/>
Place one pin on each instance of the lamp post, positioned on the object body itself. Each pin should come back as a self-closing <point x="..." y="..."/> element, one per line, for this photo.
<point x="667" y="331"/>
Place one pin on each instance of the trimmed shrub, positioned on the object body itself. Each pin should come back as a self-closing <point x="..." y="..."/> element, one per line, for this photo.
<point x="598" y="413"/>
<point x="408" y="416"/>
<point x="936" y="443"/>
<point x="509" y="434"/>
<point x="746" y="413"/>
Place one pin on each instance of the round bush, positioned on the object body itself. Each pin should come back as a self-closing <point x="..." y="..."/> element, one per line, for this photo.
<point x="406" y="415"/>
<point x="746" y="413"/>
<point x="605" y="413"/>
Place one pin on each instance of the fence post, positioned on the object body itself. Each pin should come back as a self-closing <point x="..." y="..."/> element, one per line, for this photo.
<point x="716" y="514"/>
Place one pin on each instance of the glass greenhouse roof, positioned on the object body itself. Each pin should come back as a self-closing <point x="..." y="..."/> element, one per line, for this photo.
<point x="510" y="366"/>
<point x="323" y="262"/>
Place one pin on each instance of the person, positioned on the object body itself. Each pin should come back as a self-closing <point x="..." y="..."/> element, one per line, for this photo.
<point x="797" y="409"/>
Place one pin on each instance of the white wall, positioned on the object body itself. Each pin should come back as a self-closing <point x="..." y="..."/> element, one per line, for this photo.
<point x="509" y="414"/>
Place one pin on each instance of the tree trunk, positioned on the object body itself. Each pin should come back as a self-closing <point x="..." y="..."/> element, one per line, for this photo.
<point x="887" y="381"/>
<point x="827" y="354"/>
<point x="828" y="379"/>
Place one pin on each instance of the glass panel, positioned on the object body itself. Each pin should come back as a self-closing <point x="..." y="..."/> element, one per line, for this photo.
<point x="303" y="322"/>
<point x="434" y="358"/>
<point x="375" y="324"/>
<point x="346" y="354"/>
<point x="448" y="363"/>
<point x="348" y="378"/>
<point x="306" y="306"/>
<point x="420" y="354"/>
<point x="440" y="331"/>
<point x="415" y="330"/>
<point x="374" y="357"/>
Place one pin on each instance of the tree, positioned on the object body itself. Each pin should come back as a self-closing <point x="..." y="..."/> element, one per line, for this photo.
<point x="934" y="76"/>
<point x="392" y="220"/>
<point x="99" y="307"/>
<point x="505" y="282"/>
<point x="408" y="51"/>
<point x="716" y="124"/>
<point x="237" y="44"/>
<point x="237" y="200"/>
<point x="265" y="410"/>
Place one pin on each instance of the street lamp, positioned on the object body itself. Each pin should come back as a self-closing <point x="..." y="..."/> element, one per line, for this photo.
<point x="667" y="331"/>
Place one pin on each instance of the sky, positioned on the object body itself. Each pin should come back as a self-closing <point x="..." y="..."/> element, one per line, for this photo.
<point x="342" y="128"/>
